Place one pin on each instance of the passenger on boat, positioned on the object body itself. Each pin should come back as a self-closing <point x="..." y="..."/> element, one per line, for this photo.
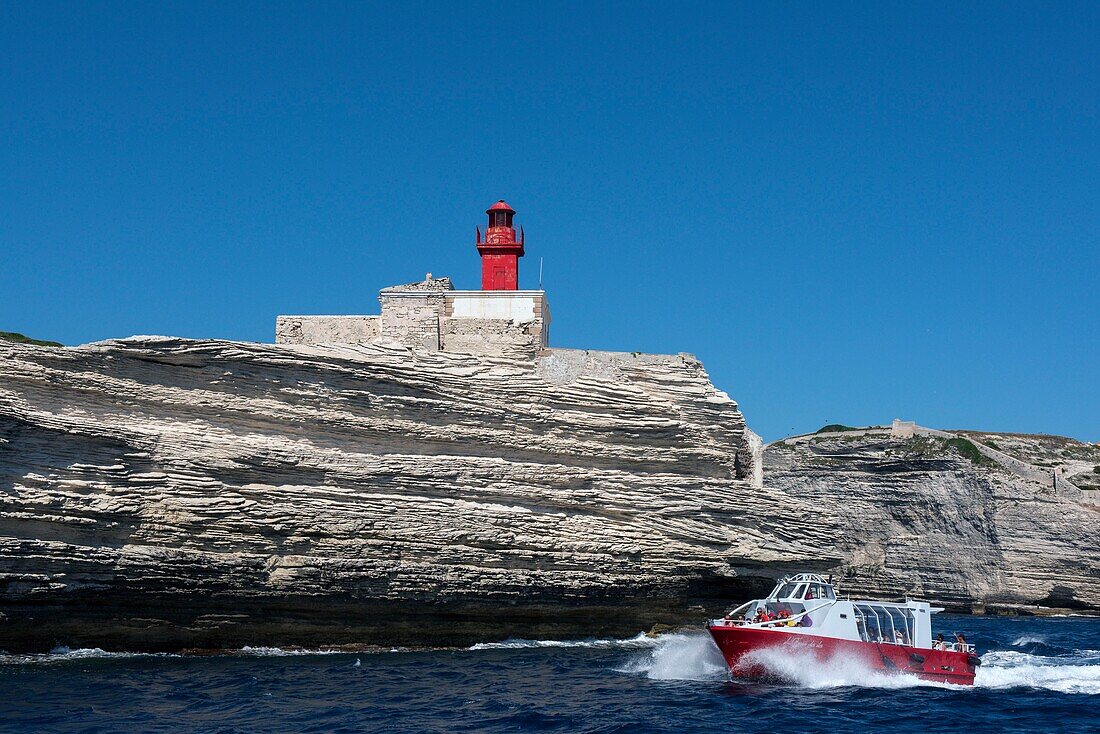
<point x="899" y="638"/>
<point x="960" y="642"/>
<point x="939" y="644"/>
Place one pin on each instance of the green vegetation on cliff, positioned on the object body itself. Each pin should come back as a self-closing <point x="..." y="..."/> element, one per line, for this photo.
<point x="12" y="336"/>
<point x="836" y="428"/>
<point x="968" y="450"/>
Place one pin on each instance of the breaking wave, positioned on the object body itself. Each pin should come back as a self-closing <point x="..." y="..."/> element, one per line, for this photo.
<point x="640" y="640"/>
<point x="1027" y="640"/>
<point x="64" y="654"/>
<point x="273" y="652"/>
<point x="1039" y="646"/>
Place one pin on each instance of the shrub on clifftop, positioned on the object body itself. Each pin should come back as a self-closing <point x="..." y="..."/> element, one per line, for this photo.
<point x="12" y="336"/>
<point x="836" y="428"/>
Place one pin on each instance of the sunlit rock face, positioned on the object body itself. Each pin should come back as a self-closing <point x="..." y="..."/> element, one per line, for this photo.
<point x="165" y="493"/>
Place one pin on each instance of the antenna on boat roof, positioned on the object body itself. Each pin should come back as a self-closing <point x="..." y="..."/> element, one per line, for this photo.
<point x="830" y="579"/>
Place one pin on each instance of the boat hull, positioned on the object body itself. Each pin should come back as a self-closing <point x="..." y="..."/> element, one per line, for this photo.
<point x="738" y="644"/>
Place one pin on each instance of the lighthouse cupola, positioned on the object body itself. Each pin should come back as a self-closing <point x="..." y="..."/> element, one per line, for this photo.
<point x="500" y="250"/>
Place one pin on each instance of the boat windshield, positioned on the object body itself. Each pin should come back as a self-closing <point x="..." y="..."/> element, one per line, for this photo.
<point x="786" y="591"/>
<point x="803" y="586"/>
<point x="819" y="591"/>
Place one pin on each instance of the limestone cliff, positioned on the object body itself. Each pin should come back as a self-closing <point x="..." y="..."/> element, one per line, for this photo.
<point x="162" y="493"/>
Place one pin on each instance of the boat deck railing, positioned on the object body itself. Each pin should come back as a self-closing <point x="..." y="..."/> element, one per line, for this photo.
<point x="953" y="646"/>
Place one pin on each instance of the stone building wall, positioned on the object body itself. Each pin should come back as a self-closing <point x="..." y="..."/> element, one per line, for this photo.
<point x="431" y="315"/>
<point x="412" y="318"/>
<point x="327" y="329"/>
<point x="491" y="336"/>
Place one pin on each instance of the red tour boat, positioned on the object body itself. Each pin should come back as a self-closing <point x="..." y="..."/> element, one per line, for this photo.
<point x="802" y="615"/>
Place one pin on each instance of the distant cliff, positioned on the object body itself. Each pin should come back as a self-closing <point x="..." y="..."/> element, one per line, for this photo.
<point x="966" y="519"/>
<point x="161" y="493"/>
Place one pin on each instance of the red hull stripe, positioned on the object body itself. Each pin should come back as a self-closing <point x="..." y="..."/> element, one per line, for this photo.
<point x="943" y="666"/>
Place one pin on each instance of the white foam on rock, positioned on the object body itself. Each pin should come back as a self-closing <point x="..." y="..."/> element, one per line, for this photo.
<point x="62" y="654"/>
<point x="640" y="640"/>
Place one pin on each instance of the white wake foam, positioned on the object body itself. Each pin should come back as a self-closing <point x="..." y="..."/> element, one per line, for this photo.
<point x="1002" y="669"/>
<point x="680" y="656"/>
<point x="694" y="656"/>
<point x="802" y="668"/>
<point x="691" y="656"/>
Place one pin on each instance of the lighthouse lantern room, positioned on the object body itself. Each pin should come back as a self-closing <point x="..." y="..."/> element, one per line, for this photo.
<point x="500" y="250"/>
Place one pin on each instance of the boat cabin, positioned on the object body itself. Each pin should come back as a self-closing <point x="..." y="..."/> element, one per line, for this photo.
<point x="807" y="604"/>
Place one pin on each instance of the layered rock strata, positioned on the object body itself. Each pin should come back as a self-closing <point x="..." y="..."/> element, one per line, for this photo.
<point x="161" y="493"/>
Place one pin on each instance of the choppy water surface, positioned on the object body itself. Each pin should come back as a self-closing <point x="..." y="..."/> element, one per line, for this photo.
<point x="1039" y="674"/>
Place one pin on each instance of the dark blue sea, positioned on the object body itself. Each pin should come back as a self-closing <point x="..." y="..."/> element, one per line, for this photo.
<point x="1039" y="675"/>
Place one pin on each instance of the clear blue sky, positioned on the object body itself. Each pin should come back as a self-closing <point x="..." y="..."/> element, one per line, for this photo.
<point x="849" y="213"/>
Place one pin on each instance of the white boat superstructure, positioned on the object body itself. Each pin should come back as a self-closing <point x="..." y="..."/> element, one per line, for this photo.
<point x="803" y="613"/>
<point x="807" y="604"/>
<point x="804" y="610"/>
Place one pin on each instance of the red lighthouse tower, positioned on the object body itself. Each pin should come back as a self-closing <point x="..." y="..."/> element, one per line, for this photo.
<point x="501" y="251"/>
